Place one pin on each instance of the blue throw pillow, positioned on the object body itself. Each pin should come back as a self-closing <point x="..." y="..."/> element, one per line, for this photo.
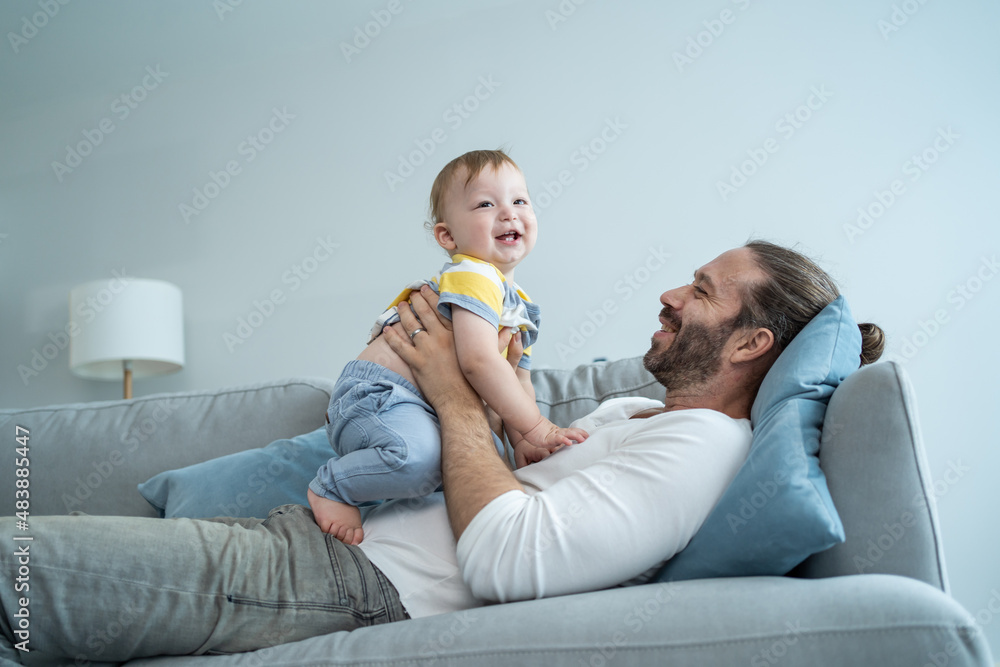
<point x="246" y="484"/>
<point x="778" y="510"/>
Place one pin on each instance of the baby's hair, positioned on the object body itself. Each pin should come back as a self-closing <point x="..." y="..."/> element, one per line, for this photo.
<point x="474" y="162"/>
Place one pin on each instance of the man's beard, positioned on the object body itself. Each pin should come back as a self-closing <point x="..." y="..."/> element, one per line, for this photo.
<point x="692" y="359"/>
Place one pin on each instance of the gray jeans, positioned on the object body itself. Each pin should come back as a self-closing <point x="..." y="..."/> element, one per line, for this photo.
<point x="115" y="588"/>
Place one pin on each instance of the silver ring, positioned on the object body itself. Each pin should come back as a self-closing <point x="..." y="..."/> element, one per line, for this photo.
<point x="415" y="332"/>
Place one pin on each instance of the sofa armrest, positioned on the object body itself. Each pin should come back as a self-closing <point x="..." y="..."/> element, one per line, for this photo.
<point x="873" y="456"/>
<point x="89" y="457"/>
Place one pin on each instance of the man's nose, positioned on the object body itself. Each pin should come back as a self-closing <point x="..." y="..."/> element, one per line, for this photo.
<point x="673" y="298"/>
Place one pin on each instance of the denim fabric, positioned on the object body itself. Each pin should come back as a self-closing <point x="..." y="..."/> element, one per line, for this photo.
<point x="385" y="436"/>
<point x="114" y="588"/>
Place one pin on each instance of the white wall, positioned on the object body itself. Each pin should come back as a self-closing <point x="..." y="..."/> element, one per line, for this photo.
<point x="608" y="69"/>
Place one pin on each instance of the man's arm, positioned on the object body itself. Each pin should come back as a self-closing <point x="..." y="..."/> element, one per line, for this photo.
<point x="472" y="473"/>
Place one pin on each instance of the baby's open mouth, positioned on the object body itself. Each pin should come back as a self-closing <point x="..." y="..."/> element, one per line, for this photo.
<point x="509" y="236"/>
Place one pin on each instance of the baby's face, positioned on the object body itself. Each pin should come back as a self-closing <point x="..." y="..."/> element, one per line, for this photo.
<point x="491" y="219"/>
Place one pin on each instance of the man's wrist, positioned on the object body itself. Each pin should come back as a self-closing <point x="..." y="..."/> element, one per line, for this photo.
<point x="472" y="473"/>
<point x="457" y="398"/>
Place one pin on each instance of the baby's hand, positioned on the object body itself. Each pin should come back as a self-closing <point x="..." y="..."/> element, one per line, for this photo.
<point x="341" y="520"/>
<point x="526" y="453"/>
<point x="548" y="435"/>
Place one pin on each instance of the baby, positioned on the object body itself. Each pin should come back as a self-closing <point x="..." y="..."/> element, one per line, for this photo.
<point x="387" y="437"/>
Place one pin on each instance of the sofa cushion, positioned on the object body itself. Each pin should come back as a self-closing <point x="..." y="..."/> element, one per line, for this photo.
<point x="778" y="510"/>
<point x="244" y="484"/>
<point x="565" y="395"/>
<point x="772" y="622"/>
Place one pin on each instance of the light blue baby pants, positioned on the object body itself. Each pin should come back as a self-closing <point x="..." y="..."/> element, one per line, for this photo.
<point x="385" y="436"/>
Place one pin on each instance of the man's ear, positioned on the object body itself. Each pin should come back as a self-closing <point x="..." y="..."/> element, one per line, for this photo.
<point x="752" y="344"/>
<point x="444" y="237"/>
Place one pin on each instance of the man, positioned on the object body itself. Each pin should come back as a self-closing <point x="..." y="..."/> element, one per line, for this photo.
<point x="590" y="516"/>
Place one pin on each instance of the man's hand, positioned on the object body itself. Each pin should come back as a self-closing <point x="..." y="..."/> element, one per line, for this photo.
<point x="430" y="353"/>
<point x="472" y="473"/>
<point x="341" y="520"/>
<point x="509" y="339"/>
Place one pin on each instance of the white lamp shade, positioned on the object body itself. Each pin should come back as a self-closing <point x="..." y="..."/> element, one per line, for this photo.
<point x="125" y="319"/>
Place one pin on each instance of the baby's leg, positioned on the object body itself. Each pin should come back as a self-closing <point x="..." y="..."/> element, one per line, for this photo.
<point x="389" y="442"/>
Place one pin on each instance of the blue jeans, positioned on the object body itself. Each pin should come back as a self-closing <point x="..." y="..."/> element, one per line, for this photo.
<point x="385" y="436"/>
<point x="108" y="588"/>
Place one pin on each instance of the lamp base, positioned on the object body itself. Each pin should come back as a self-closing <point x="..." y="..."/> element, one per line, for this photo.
<point x="127" y="388"/>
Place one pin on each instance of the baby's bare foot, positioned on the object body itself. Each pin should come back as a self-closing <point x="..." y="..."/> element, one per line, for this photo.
<point x="341" y="520"/>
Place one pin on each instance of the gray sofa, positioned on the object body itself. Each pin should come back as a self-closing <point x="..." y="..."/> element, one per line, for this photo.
<point x="89" y="457"/>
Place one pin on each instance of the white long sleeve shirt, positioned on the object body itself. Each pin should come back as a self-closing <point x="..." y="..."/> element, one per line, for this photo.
<point x="591" y="516"/>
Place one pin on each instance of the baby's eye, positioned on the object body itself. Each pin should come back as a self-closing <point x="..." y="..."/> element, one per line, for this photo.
<point x="484" y="204"/>
<point x="520" y="201"/>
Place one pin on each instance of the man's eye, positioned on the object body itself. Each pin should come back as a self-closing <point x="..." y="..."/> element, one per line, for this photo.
<point x="699" y="290"/>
